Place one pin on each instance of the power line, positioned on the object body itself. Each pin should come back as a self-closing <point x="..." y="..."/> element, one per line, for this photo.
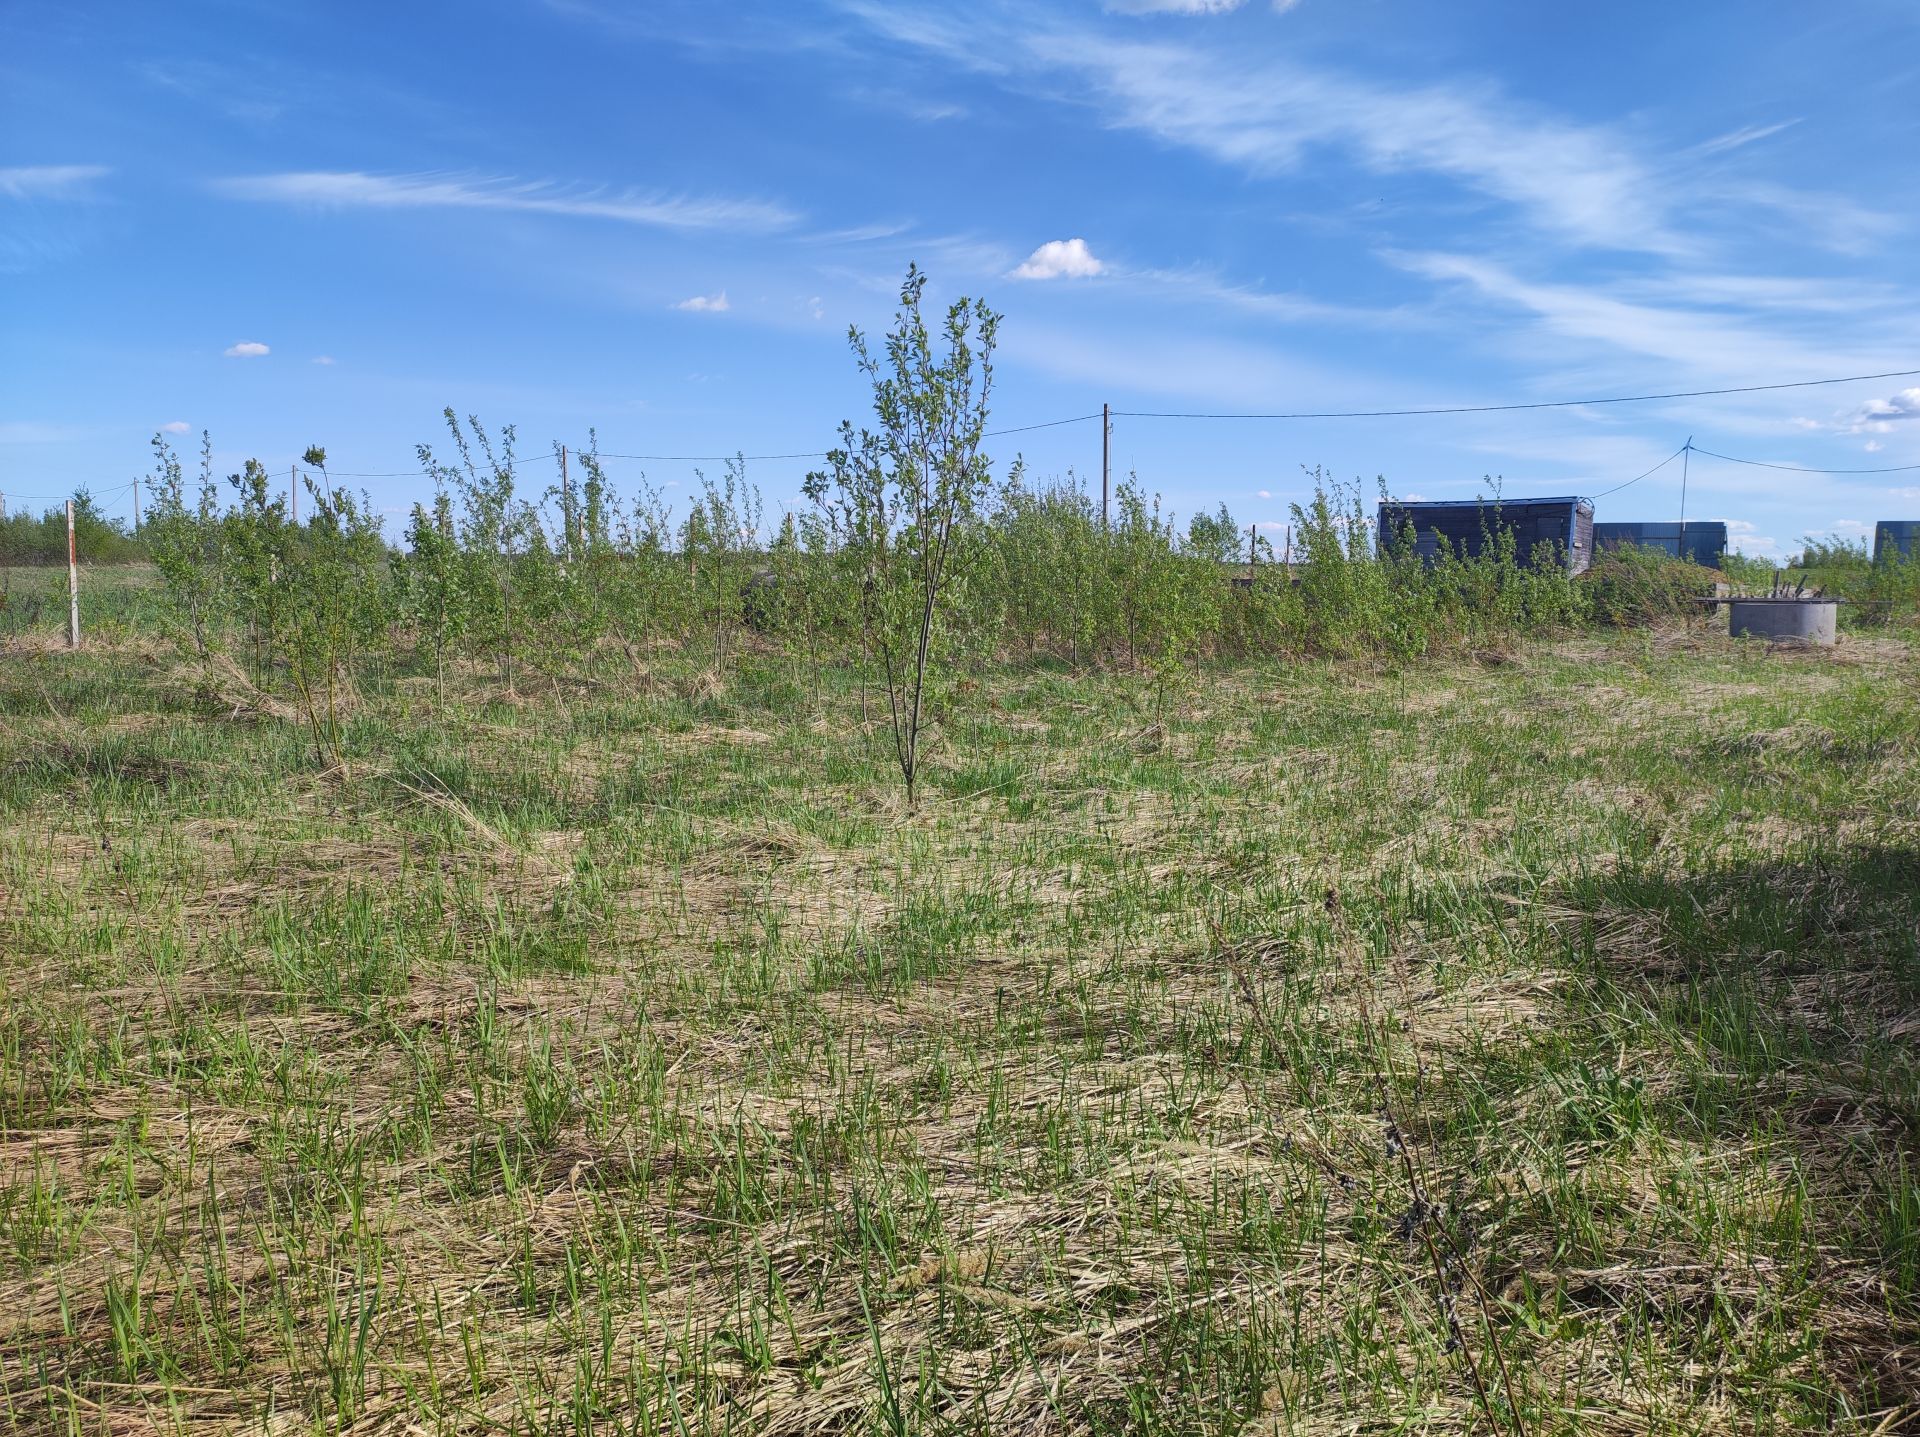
<point x="96" y="494"/>
<point x="823" y="453"/>
<point x="514" y="465"/>
<point x="1049" y="424"/>
<point x="1638" y="477"/>
<point x="1540" y="404"/>
<point x="709" y="458"/>
<point x="511" y="466"/>
<point x="1801" y="469"/>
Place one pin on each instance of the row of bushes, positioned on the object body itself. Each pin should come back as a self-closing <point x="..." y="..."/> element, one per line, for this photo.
<point x="912" y="559"/>
<point x="552" y="583"/>
<point x="591" y="585"/>
<point x="29" y="539"/>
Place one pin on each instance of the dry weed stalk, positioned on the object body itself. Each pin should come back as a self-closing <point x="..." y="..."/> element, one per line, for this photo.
<point x="1423" y="1214"/>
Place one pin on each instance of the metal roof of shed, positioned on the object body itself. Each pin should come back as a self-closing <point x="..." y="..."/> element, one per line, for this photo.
<point x="1485" y="503"/>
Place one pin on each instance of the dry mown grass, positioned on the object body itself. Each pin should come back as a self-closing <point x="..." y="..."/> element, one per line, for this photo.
<point x="1363" y="1052"/>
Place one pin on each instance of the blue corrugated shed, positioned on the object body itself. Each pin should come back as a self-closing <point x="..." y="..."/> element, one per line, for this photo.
<point x="1705" y="542"/>
<point x="1564" y="523"/>
<point x="1896" y="536"/>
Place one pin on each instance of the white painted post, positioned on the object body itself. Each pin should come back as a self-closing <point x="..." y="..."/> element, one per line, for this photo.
<point x="73" y="584"/>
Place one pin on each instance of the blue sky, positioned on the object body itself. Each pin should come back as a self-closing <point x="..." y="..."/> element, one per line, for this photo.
<point x="303" y="223"/>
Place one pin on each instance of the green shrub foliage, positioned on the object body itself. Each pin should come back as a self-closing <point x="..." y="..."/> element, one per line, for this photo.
<point x="918" y="555"/>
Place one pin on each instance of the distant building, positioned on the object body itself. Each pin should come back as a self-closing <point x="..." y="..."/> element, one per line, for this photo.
<point x="1706" y="543"/>
<point x="1566" y="524"/>
<point x="1893" y="537"/>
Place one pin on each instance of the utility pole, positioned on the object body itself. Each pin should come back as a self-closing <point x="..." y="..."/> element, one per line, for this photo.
<point x="293" y="492"/>
<point x="136" y="506"/>
<point x="1686" y="453"/>
<point x="1106" y="436"/>
<point x="73" y="584"/>
<point x="566" y="498"/>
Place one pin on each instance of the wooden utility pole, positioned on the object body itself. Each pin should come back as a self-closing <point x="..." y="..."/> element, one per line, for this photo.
<point x="73" y="584"/>
<point x="136" y="506"/>
<point x="293" y="491"/>
<point x="1106" y="435"/>
<point x="566" y="499"/>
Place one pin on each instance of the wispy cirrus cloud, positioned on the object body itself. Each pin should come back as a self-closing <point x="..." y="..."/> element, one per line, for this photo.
<point x="1745" y="135"/>
<point x="356" y="189"/>
<point x="1187" y="7"/>
<point x="1173" y="7"/>
<point x="35" y="182"/>
<point x="176" y="426"/>
<point x="1267" y="115"/>
<point x="1693" y="338"/>
<point x="32" y="431"/>
<point x="706" y="303"/>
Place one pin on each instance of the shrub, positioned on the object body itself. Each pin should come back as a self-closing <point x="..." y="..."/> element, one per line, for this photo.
<point x="1631" y="586"/>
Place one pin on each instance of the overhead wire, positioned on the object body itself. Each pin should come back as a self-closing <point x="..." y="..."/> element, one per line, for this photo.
<point x="1649" y="474"/>
<point x="1536" y="404"/>
<point x="11" y="494"/>
<point x="1803" y="469"/>
<point x="513" y="466"/>
<point x="823" y="453"/>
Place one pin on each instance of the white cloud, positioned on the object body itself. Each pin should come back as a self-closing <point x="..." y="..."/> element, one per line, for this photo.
<point x="29" y="182"/>
<point x="815" y="308"/>
<point x="1706" y="342"/>
<point x="176" y="426"/>
<point x="1060" y="259"/>
<point x="323" y="359"/>
<point x="1262" y="493"/>
<point x="1743" y="538"/>
<point x="1412" y="498"/>
<point x="32" y="431"/>
<point x="1286" y="307"/>
<point x="1264" y="115"/>
<point x="1830" y="220"/>
<point x="246" y="349"/>
<point x="1907" y="493"/>
<point x="706" y="303"/>
<point x="1878" y="416"/>
<point x="1746" y="135"/>
<point x="1873" y="446"/>
<point x="1173" y="7"/>
<point x="352" y="188"/>
<point x="1843" y="529"/>
<point x="1593" y="184"/>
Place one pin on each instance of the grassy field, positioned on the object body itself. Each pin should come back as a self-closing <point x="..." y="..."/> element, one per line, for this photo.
<point x="1336" y="1050"/>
